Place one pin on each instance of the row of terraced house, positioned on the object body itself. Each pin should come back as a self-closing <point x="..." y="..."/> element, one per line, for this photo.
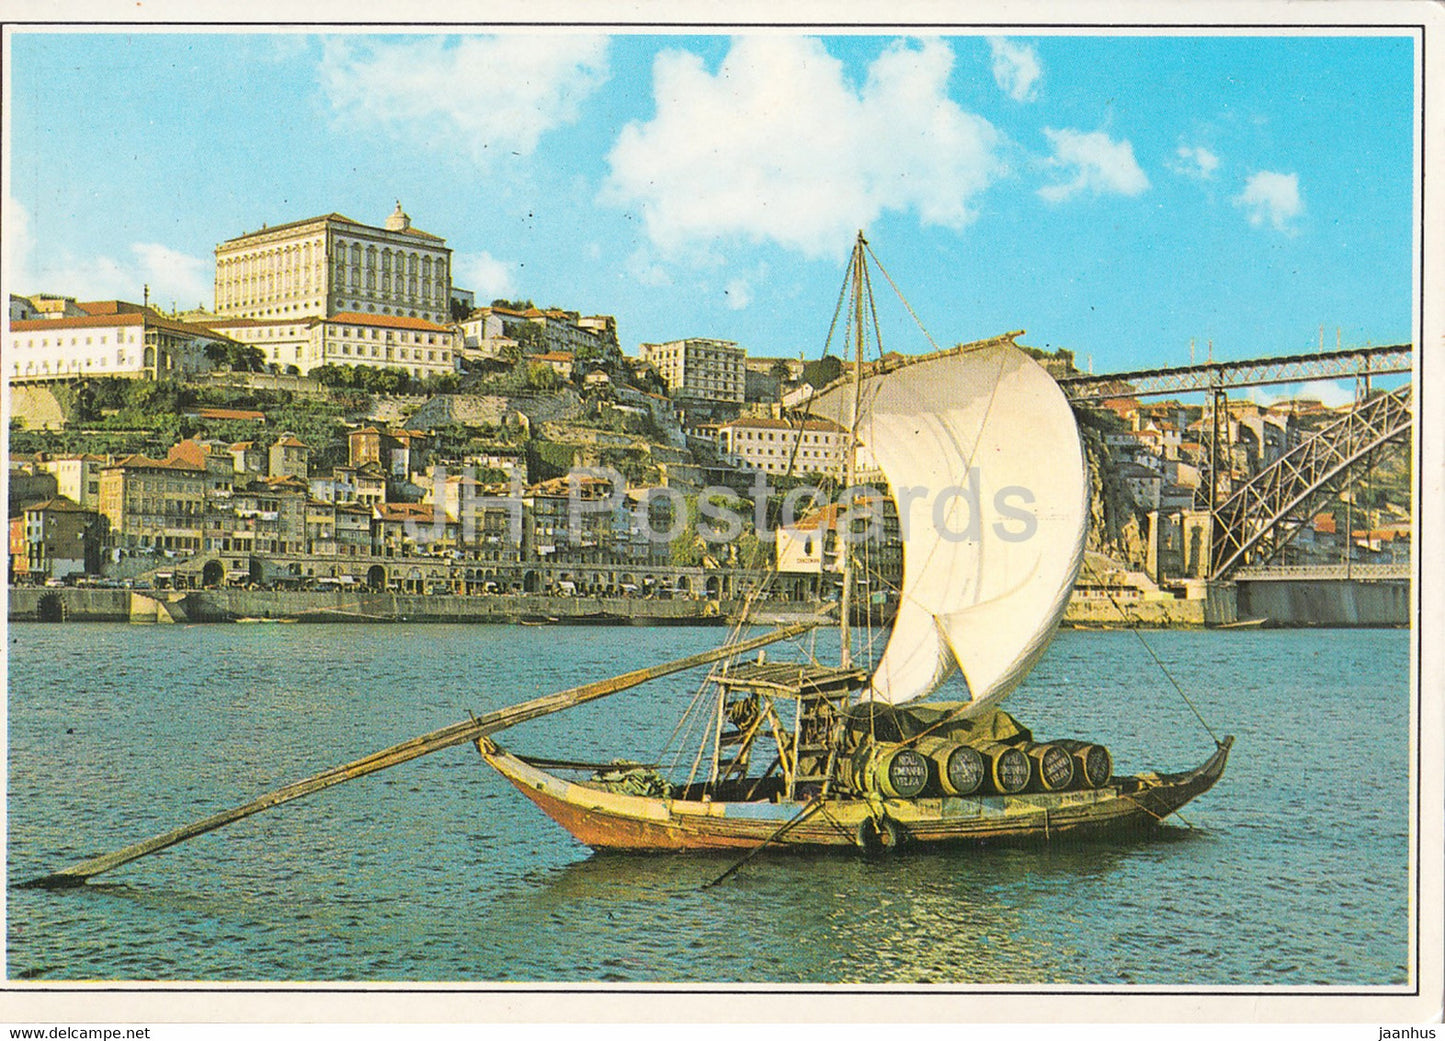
<point x="237" y="501"/>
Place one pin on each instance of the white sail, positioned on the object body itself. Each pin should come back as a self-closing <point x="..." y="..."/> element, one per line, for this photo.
<point x="982" y="455"/>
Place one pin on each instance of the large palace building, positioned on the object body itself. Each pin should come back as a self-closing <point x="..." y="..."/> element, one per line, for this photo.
<point x="332" y="265"/>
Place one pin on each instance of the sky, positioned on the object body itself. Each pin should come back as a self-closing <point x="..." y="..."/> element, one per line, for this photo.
<point x="1116" y="195"/>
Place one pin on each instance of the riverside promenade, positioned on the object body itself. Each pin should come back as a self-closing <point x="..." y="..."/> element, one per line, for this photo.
<point x="163" y="606"/>
<point x="1296" y="603"/>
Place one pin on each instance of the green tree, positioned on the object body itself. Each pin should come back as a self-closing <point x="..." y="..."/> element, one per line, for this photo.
<point x="823" y="371"/>
<point x="753" y="552"/>
<point x="686" y="548"/>
<point x="780" y="370"/>
<point x="238" y="357"/>
<point x="442" y="383"/>
<point x="541" y="376"/>
<point x="530" y="337"/>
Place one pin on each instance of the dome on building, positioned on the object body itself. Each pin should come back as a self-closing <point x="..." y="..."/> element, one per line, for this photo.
<point x="398" y="221"/>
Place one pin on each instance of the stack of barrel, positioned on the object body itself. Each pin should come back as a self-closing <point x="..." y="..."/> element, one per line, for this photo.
<point x="943" y="766"/>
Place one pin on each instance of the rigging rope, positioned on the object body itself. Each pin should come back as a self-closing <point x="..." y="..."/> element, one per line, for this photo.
<point x="1132" y="625"/>
<point x="901" y="297"/>
<point x="798" y="425"/>
<point x="812" y="806"/>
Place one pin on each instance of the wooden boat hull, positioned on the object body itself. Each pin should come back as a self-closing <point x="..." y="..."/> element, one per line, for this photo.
<point x="607" y="820"/>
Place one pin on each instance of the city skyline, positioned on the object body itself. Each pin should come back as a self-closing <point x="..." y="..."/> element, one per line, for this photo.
<point x="1118" y="196"/>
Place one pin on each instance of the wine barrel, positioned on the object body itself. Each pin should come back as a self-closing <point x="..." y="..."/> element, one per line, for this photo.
<point x="961" y="769"/>
<point x="1053" y="765"/>
<point x="1009" y="768"/>
<point x="1095" y="764"/>
<point x="895" y="771"/>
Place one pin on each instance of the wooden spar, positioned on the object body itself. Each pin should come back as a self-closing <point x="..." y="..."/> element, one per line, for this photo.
<point x="447" y="737"/>
<point x="845" y="612"/>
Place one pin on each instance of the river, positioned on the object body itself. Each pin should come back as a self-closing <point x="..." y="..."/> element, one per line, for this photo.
<point x="1294" y="870"/>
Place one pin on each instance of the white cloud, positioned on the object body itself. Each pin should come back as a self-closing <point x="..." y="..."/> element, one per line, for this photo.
<point x="16" y="245"/>
<point x="1016" y="68"/>
<point x="643" y="269"/>
<point x="486" y="276"/>
<point x="1098" y="163"/>
<point x="1198" y="162"/>
<point x="778" y="146"/>
<point x="286" y="47"/>
<point x="1273" y="198"/>
<point x="489" y="95"/>
<point x="172" y="276"/>
<point x="739" y="294"/>
<point x="1327" y="392"/>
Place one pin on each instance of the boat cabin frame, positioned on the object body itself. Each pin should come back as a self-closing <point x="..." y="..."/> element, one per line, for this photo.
<point x="799" y="709"/>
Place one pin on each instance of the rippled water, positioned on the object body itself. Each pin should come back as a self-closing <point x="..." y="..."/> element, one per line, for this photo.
<point x="1295" y="870"/>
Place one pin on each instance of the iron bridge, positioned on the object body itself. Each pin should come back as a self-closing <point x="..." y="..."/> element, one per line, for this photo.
<point x="1352" y="363"/>
<point x="1254" y="524"/>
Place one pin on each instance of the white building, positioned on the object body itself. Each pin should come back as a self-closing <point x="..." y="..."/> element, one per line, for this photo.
<point x="491" y="332"/>
<point x="767" y="444"/>
<point x="112" y="338"/>
<point x="700" y="370"/>
<point x="421" y="347"/>
<point x="328" y="265"/>
<point x="77" y="477"/>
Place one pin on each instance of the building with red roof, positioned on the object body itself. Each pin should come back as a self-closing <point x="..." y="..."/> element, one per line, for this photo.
<point x="154" y="504"/>
<point x="418" y="346"/>
<point x="113" y="338"/>
<point x="777" y="446"/>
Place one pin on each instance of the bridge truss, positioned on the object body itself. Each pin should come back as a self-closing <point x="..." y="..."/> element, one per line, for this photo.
<point x="1353" y="363"/>
<point x="1263" y="515"/>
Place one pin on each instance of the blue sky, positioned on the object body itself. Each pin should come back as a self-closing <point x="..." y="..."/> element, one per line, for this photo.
<point x="1116" y="195"/>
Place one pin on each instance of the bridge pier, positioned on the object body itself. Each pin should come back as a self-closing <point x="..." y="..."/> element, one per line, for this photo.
<point x="1324" y="602"/>
<point x="1221" y="604"/>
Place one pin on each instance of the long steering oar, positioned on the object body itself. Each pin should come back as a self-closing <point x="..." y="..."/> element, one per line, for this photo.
<point x="456" y="734"/>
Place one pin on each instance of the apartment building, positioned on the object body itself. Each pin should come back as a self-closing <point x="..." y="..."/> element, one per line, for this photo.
<point x="699" y="370"/>
<point x="154" y="504"/>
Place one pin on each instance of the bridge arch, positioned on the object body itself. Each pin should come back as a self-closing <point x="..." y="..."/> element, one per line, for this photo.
<point x="1265" y="513"/>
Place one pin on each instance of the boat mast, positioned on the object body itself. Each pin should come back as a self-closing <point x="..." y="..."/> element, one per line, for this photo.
<point x="850" y="458"/>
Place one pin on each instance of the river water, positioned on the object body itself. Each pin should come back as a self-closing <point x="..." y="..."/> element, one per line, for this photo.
<point x="1294" y="870"/>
